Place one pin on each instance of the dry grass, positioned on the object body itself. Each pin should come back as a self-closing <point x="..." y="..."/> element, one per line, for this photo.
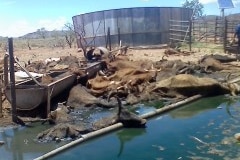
<point x="41" y="49"/>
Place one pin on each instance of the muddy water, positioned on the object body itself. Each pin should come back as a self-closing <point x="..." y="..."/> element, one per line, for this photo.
<point x="20" y="143"/>
<point x="201" y="130"/>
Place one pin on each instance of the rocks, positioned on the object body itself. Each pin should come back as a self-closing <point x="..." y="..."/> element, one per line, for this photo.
<point x="237" y="136"/>
<point x="60" y="115"/>
<point x="61" y="131"/>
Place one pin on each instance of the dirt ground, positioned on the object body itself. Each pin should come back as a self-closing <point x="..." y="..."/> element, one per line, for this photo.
<point x="24" y="55"/>
<point x="133" y="54"/>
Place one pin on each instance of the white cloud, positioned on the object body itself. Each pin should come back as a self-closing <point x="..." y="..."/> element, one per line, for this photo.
<point x="207" y="1"/>
<point x="236" y="2"/>
<point x="215" y="1"/>
<point x="22" y="27"/>
<point x="50" y="25"/>
<point x="16" y="28"/>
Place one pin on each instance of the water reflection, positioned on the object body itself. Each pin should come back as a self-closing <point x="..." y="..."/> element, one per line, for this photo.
<point x="128" y="135"/>
<point x="199" y="106"/>
<point x="20" y="143"/>
<point x="201" y="130"/>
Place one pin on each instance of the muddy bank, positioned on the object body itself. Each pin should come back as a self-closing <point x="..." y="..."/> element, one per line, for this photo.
<point x="135" y="81"/>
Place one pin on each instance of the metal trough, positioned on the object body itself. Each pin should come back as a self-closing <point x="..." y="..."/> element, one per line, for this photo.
<point x="29" y="95"/>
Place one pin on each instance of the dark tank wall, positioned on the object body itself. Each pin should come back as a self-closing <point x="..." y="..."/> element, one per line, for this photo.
<point x="137" y="26"/>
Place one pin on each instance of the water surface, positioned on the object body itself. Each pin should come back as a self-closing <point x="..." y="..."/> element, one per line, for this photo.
<point x="200" y="130"/>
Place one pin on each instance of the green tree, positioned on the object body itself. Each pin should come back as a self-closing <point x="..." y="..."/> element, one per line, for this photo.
<point x="42" y="32"/>
<point x="196" y="6"/>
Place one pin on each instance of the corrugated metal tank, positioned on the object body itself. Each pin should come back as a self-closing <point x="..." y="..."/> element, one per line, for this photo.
<point x="137" y="26"/>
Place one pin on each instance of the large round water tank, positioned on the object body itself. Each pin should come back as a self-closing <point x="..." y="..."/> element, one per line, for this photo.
<point x="133" y="26"/>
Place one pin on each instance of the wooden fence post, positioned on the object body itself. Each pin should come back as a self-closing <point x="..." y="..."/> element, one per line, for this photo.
<point x="215" y="30"/>
<point x="12" y="79"/>
<point x="5" y="70"/>
<point x="119" y="36"/>
<point x="225" y="35"/>
<point x="109" y="39"/>
<point x="190" y="35"/>
<point x="1" y="101"/>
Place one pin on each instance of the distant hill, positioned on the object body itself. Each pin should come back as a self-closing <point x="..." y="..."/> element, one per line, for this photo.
<point x="46" y="34"/>
<point x="235" y="17"/>
<point x="1" y="38"/>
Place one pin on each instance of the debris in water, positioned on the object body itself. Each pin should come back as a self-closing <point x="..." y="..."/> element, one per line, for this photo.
<point x="237" y="136"/>
<point x="199" y="140"/>
<point x="2" y="142"/>
<point x="161" y="148"/>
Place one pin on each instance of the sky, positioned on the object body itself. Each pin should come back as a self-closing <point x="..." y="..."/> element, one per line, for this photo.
<point x="19" y="17"/>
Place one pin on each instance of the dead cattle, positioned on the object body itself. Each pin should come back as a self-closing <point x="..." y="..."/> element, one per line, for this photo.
<point x="124" y="116"/>
<point x="80" y="97"/>
<point x="189" y="85"/>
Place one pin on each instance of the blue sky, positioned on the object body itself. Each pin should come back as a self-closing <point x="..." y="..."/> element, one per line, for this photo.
<point x="19" y="17"/>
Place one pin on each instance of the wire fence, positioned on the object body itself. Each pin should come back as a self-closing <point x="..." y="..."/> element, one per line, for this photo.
<point x="215" y="30"/>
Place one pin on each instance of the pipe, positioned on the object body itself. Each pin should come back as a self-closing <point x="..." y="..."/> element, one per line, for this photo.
<point x="80" y="140"/>
<point x="116" y="126"/>
<point x="171" y="106"/>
